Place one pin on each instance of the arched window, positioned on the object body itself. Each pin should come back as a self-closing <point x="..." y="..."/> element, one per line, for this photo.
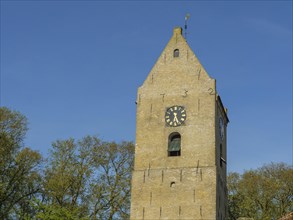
<point x="176" y="53"/>
<point x="174" y="144"/>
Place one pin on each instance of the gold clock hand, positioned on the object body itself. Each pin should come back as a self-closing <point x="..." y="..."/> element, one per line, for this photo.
<point x="175" y="117"/>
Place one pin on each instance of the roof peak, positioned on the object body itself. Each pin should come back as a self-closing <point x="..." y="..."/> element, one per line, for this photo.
<point x="177" y="30"/>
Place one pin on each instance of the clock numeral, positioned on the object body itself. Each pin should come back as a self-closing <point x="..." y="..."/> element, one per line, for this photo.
<point x="211" y="91"/>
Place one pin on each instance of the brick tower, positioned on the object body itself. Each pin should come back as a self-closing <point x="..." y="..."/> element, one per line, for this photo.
<point x="180" y="153"/>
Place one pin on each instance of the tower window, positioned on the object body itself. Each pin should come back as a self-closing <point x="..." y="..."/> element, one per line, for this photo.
<point x="172" y="184"/>
<point x="221" y="155"/>
<point x="222" y="159"/>
<point x="174" y="144"/>
<point x="176" y="53"/>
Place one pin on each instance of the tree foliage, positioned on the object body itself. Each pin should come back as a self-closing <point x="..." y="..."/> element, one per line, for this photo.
<point x="19" y="167"/>
<point x="113" y="179"/>
<point x="84" y="179"/>
<point x="87" y="179"/>
<point x="265" y="193"/>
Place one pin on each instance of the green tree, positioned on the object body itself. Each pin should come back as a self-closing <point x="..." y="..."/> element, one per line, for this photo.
<point x="111" y="193"/>
<point x="265" y="193"/>
<point x="19" y="167"/>
<point x="87" y="179"/>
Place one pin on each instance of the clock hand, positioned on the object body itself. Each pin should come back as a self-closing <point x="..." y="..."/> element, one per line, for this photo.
<point x="175" y="117"/>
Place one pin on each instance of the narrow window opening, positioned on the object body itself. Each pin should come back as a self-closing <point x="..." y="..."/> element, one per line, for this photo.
<point x="172" y="184"/>
<point x="221" y="155"/>
<point x="174" y="145"/>
<point x="222" y="159"/>
<point x="176" y="53"/>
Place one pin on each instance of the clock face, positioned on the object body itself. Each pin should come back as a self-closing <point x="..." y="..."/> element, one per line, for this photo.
<point x="221" y="128"/>
<point x="175" y="116"/>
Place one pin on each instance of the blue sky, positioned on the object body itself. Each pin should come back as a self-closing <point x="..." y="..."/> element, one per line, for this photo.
<point x="73" y="67"/>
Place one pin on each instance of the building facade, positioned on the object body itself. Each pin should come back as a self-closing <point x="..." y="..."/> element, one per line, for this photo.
<point x="181" y="140"/>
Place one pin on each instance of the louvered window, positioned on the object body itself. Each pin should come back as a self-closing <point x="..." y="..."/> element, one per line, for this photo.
<point x="174" y="145"/>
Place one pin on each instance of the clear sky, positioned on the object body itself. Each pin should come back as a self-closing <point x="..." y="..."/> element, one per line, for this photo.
<point x="73" y="67"/>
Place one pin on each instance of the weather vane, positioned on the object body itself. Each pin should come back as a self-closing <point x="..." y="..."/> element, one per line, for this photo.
<point x="187" y="16"/>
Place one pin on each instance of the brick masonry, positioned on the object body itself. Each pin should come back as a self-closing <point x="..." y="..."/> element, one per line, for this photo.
<point x="192" y="185"/>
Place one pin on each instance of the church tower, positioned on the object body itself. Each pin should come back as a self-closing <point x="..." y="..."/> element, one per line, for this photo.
<point x="180" y="153"/>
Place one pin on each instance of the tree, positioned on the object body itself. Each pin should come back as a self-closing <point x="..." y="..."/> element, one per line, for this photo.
<point x="19" y="167"/>
<point x="111" y="193"/>
<point x="87" y="179"/>
<point x="265" y="193"/>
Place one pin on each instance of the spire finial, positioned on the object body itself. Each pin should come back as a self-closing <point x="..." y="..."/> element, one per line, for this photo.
<point x="187" y="16"/>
